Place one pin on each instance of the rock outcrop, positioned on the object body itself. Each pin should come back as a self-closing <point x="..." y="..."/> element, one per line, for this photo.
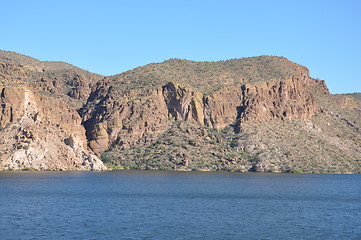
<point x="42" y="134"/>
<point x="271" y="117"/>
<point x="52" y="78"/>
<point x="123" y="121"/>
<point x="253" y="114"/>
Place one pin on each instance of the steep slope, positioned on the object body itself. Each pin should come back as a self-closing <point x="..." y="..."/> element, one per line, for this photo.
<point x="254" y="114"/>
<point x="51" y="78"/>
<point x="269" y="113"/>
<point x="40" y="128"/>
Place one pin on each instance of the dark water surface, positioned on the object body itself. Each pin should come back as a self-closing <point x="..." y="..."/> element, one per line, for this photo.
<point x="173" y="205"/>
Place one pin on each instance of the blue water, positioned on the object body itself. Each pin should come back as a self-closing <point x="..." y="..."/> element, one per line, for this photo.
<point x="173" y="205"/>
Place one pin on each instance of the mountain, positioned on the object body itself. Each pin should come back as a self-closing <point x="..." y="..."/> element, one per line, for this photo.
<point x="253" y="114"/>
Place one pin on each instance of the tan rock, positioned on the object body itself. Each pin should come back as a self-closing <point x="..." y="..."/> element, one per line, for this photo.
<point x="42" y="135"/>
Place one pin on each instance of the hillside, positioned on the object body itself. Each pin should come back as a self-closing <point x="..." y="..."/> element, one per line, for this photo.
<point x="52" y="78"/>
<point x="206" y="77"/>
<point x="253" y="114"/>
<point x="40" y="127"/>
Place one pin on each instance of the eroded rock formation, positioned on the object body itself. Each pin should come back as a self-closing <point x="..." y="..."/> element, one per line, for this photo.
<point x="253" y="114"/>
<point x="123" y="121"/>
<point x="39" y="133"/>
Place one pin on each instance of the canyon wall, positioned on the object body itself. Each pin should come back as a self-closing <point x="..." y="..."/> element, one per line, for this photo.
<point x="41" y="133"/>
<point x="122" y="121"/>
<point x="253" y="114"/>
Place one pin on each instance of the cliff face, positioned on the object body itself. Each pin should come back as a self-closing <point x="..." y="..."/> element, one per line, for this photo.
<point x="254" y="114"/>
<point x="123" y="121"/>
<point x="248" y="122"/>
<point x="39" y="133"/>
<point x="40" y="128"/>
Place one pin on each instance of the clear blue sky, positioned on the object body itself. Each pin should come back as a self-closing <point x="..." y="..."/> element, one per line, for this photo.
<point x="110" y="37"/>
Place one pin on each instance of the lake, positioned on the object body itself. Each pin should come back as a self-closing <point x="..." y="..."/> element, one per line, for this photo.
<point x="178" y="205"/>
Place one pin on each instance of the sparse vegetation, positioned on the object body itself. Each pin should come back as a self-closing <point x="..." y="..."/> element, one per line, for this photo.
<point x="206" y="77"/>
<point x="326" y="142"/>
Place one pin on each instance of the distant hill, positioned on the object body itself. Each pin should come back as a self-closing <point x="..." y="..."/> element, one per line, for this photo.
<point x="252" y="114"/>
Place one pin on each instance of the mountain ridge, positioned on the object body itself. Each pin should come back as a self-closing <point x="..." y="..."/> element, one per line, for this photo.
<point x="251" y="114"/>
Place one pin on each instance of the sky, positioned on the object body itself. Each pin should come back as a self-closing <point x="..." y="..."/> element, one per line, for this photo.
<point x="110" y="37"/>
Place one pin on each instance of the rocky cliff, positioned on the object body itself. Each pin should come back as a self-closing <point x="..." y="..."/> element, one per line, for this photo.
<point x="39" y="133"/>
<point x="254" y="114"/>
<point x="270" y="116"/>
<point x="40" y="129"/>
<point x="124" y="120"/>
